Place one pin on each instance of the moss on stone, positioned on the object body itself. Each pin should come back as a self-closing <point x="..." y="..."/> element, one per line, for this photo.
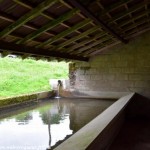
<point x="17" y="100"/>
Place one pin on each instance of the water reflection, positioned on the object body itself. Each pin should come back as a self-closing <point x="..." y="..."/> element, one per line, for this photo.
<point x="23" y="119"/>
<point x="48" y="125"/>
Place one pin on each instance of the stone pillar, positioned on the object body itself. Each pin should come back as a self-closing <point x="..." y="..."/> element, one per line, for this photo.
<point x="72" y="75"/>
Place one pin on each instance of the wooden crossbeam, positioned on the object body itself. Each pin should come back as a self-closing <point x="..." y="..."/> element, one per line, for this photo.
<point x="134" y="18"/>
<point x="19" y="48"/>
<point x="98" y="47"/>
<point x="85" y="48"/>
<point x="22" y="4"/>
<point x="86" y="41"/>
<point x="143" y="29"/>
<point x="130" y="10"/>
<point x="89" y="14"/>
<point x="113" y="6"/>
<point x="9" y="18"/>
<point x="45" y="14"/>
<point x="77" y="37"/>
<point x="49" y="26"/>
<point x="66" y="32"/>
<point x="109" y="14"/>
<point x="95" y="52"/>
<point x="27" y="17"/>
<point x="135" y="25"/>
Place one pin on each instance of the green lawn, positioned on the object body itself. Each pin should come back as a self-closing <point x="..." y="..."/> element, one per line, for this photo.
<point x="19" y="76"/>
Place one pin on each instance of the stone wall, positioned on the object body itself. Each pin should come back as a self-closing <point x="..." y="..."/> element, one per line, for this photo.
<point x="123" y="69"/>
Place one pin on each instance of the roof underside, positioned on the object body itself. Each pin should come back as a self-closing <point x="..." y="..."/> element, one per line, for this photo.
<point x="69" y="29"/>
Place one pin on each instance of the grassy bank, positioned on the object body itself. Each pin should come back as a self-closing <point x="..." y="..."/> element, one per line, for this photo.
<point x="19" y="76"/>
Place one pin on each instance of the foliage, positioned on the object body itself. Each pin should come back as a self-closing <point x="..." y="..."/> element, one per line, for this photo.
<point x="26" y="76"/>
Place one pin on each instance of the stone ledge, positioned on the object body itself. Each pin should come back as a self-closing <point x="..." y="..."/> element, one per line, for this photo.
<point x="12" y="101"/>
<point x="97" y="127"/>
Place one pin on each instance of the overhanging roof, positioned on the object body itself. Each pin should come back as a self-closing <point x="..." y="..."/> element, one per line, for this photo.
<point x="69" y="29"/>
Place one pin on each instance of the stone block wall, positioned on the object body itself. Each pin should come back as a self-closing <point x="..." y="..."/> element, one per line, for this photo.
<point x="123" y="69"/>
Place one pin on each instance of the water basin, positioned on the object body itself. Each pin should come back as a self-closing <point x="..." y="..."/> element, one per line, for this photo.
<point x="50" y="123"/>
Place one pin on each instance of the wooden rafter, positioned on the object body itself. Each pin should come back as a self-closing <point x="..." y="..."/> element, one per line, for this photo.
<point x="84" y="34"/>
<point x="66" y="32"/>
<point x="27" y="25"/>
<point x="136" y="17"/>
<point x="18" y="48"/>
<point x="11" y="19"/>
<point x="27" y="17"/>
<point x="93" y="44"/>
<point x="49" y="26"/>
<point x="137" y="23"/>
<point x="127" y="12"/>
<point x="113" y="6"/>
<point x="96" y="20"/>
<point x="44" y="14"/>
<point x="47" y="15"/>
<point x="77" y="37"/>
<point x="123" y="19"/>
<point x="97" y="51"/>
<point x="86" y="41"/>
<point x="108" y="14"/>
<point x="98" y="47"/>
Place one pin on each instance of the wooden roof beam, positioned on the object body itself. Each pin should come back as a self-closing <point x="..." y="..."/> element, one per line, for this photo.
<point x="134" y="18"/>
<point x="18" y="48"/>
<point x="86" y="12"/>
<point x="86" y="48"/>
<point x="99" y="50"/>
<point x="44" y="14"/>
<point x="123" y="14"/>
<point x="9" y="18"/>
<point x="66" y="32"/>
<point x="49" y="26"/>
<point x="27" y="25"/>
<point x="113" y="6"/>
<point x="77" y="37"/>
<point x="98" y="47"/>
<point x="27" y="17"/>
<point x="86" y="41"/>
<point x="137" y="24"/>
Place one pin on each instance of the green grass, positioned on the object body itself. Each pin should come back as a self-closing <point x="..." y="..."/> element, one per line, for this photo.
<point x="19" y="76"/>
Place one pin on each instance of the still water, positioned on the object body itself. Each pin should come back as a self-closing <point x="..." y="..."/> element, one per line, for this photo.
<point x="45" y="126"/>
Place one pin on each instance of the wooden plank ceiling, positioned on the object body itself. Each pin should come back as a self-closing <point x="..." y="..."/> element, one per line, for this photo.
<point x="69" y="29"/>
